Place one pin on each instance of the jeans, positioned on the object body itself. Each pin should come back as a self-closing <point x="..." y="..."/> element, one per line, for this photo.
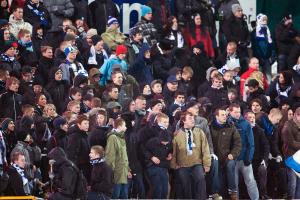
<point x="248" y="176"/>
<point x="230" y="175"/>
<point x="136" y="186"/>
<point x="282" y="62"/>
<point x="159" y="181"/>
<point x="293" y="185"/>
<point x="213" y="177"/>
<point x="261" y="175"/>
<point x="193" y="182"/>
<point x="120" y="191"/>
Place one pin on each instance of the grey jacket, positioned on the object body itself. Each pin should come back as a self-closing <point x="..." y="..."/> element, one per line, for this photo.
<point x="59" y="9"/>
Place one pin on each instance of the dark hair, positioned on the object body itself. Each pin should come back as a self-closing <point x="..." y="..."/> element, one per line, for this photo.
<point x="234" y="105"/>
<point x="75" y="90"/>
<point x="179" y="92"/>
<point x="82" y="118"/>
<point x="168" y="27"/>
<point x="118" y="122"/>
<point x="38" y="97"/>
<point x="192" y="26"/>
<point x="288" y="78"/>
<point x="256" y="101"/>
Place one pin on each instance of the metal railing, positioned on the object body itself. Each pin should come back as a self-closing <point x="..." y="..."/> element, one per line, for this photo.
<point x="18" y="198"/>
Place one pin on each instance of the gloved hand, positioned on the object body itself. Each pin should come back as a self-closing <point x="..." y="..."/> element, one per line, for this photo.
<point x="263" y="163"/>
<point x="278" y="159"/>
<point x="247" y="162"/>
<point x="213" y="156"/>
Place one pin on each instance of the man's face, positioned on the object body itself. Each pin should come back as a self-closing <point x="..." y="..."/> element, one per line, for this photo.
<point x="222" y="116"/>
<point x="11" y="52"/>
<point x="35" y="1"/>
<point x="235" y="113"/>
<point x="255" y="107"/>
<point x="157" y="108"/>
<point x="6" y="35"/>
<point x="180" y="99"/>
<point x="114" y="26"/>
<point x="172" y="86"/>
<point x="198" y="20"/>
<point x="27" y="77"/>
<point x="118" y="79"/>
<point x="14" y="86"/>
<point x="75" y="108"/>
<point x="58" y="75"/>
<point x="26" y="38"/>
<point x="157" y="89"/>
<point x="93" y="155"/>
<point x="21" y="161"/>
<point x="216" y="83"/>
<point x="140" y="104"/>
<point x="194" y="110"/>
<point x="231" y="96"/>
<point x="138" y="37"/>
<point x="148" y="16"/>
<point x="275" y="119"/>
<point x="164" y="122"/>
<point x="48" y="54"/>
<point x="99" y="45"/>
<point x="18" y="14"/>
<point x="65" y="25"/>
<point x="186" y="76"/>
<point x="250" y="117"/>
<point x="72" y="55"/>
<point x="230" y="50"/>
<point x="254" y="63"/>
<point x="84" y="125"/>
<point x="77" y="96"/>
<point x="114" y="94"/>
<point x="252" y="89"/>
<point x="147" y="54"/>
<point x="296" y="117"/>
<point x="189" y="122"/>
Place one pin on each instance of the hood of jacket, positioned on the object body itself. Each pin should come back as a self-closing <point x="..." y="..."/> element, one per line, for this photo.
<point x="118" y="134"/>
<point x="209" y="71"/>
<point x="58" y="155"/>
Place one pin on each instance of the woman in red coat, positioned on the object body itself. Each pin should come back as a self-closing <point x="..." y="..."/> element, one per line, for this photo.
<point x="197" y="32"/>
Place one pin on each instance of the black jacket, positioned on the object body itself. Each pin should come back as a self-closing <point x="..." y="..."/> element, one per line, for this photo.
<point x="103" y="7"/>
<point x="262" y="148"/>
<point x="58" y="139"/>
<point x="102" y="179"/>
<point x="10" y="104"/>
<point x="98" y="136"/>
<point x="218" y="97"/>
<point x="285" y="38"/>
<point x="202" y="89"/>
<point x="45" y="64"/>
<point x="78" y="147"/>
<point x="15" y="183"/>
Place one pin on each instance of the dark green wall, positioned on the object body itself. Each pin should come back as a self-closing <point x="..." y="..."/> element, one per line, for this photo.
<point x="275" y="10"/>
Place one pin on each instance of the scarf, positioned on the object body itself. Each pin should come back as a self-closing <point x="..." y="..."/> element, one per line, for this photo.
<point x="92" y="58"/>
<point x="27" y="45"/>
<point x="262" y="30"/>
<point x="283" y="93"/>
<point x="97" y="161"/>
<point x="296" y="68"/>
<point x="5" y="58"/>
<point x="2" y="149"/>
<point x="41" y="15"/>
<point x="189" y="141"/>
<point x="21" y="173"/>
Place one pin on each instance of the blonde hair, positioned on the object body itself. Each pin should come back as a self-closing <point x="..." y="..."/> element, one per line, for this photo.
<point x="47" y="107"/>
<point x="72" y="103"/>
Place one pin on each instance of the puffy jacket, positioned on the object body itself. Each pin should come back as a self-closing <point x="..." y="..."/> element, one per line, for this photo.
<point x="10" y="104"/>
<point x="116" y="156"/>
<point x="226" y="140"/>
<point x="113" y="38"/>
<point x="59" y="10"/>
<point x="17" y="25"/>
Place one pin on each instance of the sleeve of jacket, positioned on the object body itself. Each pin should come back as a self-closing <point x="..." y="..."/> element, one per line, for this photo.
<point x="110" y="152"/>
<point x="206" y="158"/>
<point x="173" y="162"/>
<point x="273" y="141"/>
<point x="73" y="148"/>
<point x="104" y="181"/>
<point x="291" y="140"/>
<point x="251" y="142"/>
<point x="68" y="182"/>
<point x="236" y="143"/>
<point x="16" y="183"/>
<point x="69" y="9"/>
<point x="207" y="133"/>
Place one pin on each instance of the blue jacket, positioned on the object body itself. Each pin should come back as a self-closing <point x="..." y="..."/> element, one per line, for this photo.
<point x="247" y="138"/>
<point x="108" y="66"/>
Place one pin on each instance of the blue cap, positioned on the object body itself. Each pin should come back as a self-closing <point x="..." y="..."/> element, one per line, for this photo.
<point x="111" y="20"/>
<point x="172" y="79"/>
<point x="145" y="10"/>
<point x="69" y="50"/>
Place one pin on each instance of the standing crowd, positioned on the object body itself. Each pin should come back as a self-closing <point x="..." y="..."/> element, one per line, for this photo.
<point x="167" y="111"/>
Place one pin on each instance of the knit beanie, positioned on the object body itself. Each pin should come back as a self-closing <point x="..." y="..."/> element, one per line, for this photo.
<point x="236" y="7"/>
<point x="145" y="10"/>
<point x="91" y="32"/>
<point x="121" y="49"/>
<point x="111" y="20"/>
<point x="5" y="122"/>
<point x="95" y="39"/>
<point x="69" y="50"/>
<point x="8" y="45"/>
<point x="58" y="122"/>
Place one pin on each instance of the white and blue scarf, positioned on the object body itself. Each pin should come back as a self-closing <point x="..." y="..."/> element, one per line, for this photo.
<point x="40" y="14"/>
<point x="6" y="58"/>
<point x="21" y="173"/>
<point x="97" y="161"/>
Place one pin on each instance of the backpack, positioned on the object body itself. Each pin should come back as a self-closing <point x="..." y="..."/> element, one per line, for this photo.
<point x="81" y="184"/>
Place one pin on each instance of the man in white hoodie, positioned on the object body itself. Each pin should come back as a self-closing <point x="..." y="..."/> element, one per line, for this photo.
<point x="17" y="22"/>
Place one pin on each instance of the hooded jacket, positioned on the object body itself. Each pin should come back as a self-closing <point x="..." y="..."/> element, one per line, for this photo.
<point x="141" y="70"/>
<point x="10" y="104"/>
<point x="17" y="25"/>
<point x="116" y="156"/>
<point x="113" y="38"/>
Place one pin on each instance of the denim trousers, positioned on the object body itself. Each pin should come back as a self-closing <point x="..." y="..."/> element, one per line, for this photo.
<point x="227" y="172"/>
<point x="120" y="191"/>
<point x="159" y="179"/>
<point x="247" y="173"/>
<point x="212" y="177"/>
<point x="293" y="185"/>
<point x="193" y="182"/>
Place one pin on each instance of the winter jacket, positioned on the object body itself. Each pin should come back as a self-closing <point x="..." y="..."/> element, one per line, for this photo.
<point x="162" y="64"/>
<point x="168" y="95"/>
<point x="17" y="25"/>
<point x="98" y="136"/>
<point x="285" y="36"/>
<point x="59" y="10"/>
<point x="102" y="179"/>
<point x="291" y="138"/>
<point x="65" y="174"/>
<point x="271" y="133"/>
<point x="247" y="139"/>
<point x="293" y="56"/>
<point x="13" y="66"/>
<point x="278" y="93"/>
<point x="108" y="66"/>
<point x="43" y="19"/>
<point x="226" y="140"/>
<point x="78" y="147"/>
<point x="116" y="156"/>
<point x="141" y="70"/>
<point x="71" y="70"/>
<point x="113" y="38"/>
<point x="259" y="94"/>
<point x="58" y="139"/>
<point x="15" y="183"/>
<point x="106" y="8"/>
<point x="133" y="49"/>
<point x="44" y="67"/>
<point x="218" y="97"/>
<point x="262" y="147"/>
<point x="149" y="31"/>
<point x="262" y="48"/>
<point x="10" y="104"/>
<point x="202" y="123"/>
<point x="200" y="154"/>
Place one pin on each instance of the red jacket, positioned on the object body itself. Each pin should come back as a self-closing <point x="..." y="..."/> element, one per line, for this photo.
<point x="246" y="75"/>
<point x="206" y="40"/>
